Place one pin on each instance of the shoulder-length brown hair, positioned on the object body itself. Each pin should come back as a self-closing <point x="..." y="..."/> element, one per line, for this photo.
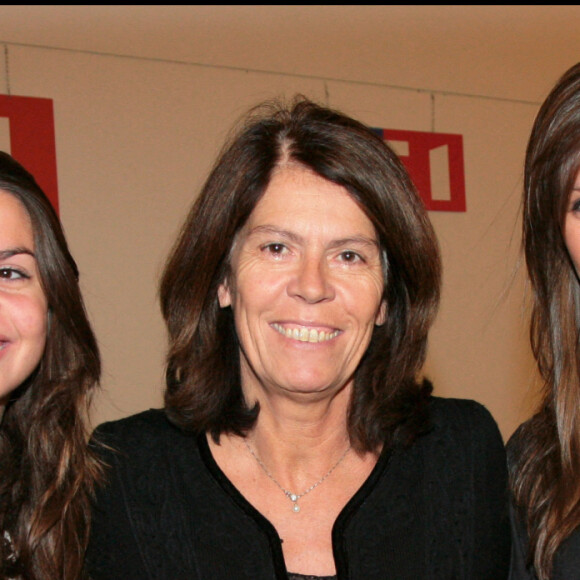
<point x="545" y="461"/>
<point x="46" y="472"/>
<point x="203" y="382"/>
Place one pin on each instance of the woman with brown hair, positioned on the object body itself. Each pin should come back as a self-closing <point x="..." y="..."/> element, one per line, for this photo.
<point x="297" y="440"/>
<point x="544" y="453"/>
<point x="49" y="364"/>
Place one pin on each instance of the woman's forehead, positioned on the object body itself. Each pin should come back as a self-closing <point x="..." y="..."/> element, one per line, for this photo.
<point x="15" y="223"/>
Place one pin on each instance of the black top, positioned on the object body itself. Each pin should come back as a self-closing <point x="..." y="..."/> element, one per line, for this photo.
<point x="566" y="564"/>
<point x="304" y="577"/>
<point x="436" y="510"/>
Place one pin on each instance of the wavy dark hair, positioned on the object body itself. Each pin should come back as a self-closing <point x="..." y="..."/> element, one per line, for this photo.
<point x="203" y="391"/>
<point x="46" y="471"/>
<point x="545" y="454"/>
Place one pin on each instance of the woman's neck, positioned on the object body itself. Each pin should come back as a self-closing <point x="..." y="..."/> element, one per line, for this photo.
<point x="299" y="433"/>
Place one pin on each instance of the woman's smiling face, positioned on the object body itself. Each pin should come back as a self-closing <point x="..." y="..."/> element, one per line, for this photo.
<point x="23" y="307"/>
<point x="306" y="286"/>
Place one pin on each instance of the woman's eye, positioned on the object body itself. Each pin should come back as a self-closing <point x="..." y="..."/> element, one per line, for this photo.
<point x="576" y="206"/>
<point x="275" y="249"/>
<point x="350" y="257"/>
<point x="12" y="274"/>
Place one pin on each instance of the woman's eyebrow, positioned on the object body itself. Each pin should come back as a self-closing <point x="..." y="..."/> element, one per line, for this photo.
<point x="356" y="239"/>
<point x="8" y="253"/>
<point x="267" y="229"/>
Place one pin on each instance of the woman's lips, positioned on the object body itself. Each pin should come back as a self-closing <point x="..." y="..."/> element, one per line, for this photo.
<point x="304" y="334"/>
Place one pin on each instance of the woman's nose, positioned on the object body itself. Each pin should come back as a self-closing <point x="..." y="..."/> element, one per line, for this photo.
<point x="311" y="281"/>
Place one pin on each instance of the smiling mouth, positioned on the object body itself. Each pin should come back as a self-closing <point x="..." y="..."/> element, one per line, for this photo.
<point x="305" y="334"/>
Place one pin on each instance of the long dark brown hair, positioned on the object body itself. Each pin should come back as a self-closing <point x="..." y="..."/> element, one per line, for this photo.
<point x="46" y="472"/>
<point x="203" y="370"/>
<point x="545" y="451"/>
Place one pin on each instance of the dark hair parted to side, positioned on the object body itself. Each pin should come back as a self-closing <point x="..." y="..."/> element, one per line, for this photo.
<point x="545" y="461"/>
<point x="46" y="471"/>
<point x="203" y="379"/>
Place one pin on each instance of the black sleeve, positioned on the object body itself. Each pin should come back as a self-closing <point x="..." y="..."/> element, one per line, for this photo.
<point x="113" y="551"/>
<point x="492" y="539"/>
<point x="518" y="569"/>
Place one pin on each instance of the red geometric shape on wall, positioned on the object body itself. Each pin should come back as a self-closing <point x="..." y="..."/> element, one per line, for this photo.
<point x="32" y="139"/>
<point x="420" y="146"/>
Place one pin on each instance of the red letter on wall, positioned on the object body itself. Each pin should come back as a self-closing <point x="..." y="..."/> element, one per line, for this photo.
<point x="31" y="139"/>
<point x="435" y="163"/>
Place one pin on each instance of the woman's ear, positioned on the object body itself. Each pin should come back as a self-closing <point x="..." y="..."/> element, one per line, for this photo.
<point x="381" y="314"/>
<point x="224" y="295"/>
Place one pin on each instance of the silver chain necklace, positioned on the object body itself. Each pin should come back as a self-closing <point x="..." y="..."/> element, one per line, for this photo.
<point x="294" y="497"/>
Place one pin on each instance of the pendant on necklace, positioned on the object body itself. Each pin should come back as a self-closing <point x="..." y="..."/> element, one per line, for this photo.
<point x="294" y="498"/>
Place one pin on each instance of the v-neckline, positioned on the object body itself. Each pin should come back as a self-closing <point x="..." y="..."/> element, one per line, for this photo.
<point x="268" y="528"/>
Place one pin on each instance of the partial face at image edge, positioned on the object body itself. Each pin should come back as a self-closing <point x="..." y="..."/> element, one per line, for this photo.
<point x="23" y="306"/>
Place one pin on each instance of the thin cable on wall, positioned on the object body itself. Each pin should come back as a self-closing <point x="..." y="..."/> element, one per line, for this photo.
<point x="7" y="69"/>
<point x="278" y="73"/>
<point x="432" y="112"/>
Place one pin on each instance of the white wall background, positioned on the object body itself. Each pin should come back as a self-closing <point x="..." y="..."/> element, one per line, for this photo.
<point x="144" y="96"/>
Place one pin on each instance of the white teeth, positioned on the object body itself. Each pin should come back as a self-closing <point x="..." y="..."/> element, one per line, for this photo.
<point x="305" y="334"/>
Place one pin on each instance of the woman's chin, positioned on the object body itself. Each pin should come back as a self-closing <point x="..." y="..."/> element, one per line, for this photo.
<point x="312" y="390"/>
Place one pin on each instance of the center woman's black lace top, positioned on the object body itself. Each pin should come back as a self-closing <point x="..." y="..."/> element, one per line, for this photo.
<point x="436" y="510"/>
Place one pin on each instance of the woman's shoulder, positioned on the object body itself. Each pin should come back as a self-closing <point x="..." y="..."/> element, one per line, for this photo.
<point x="461" y="413"/>
<point x="464" y="424"/>
<point x="519" y="438"/>
<point x="142" y="432"/>
<point x="536" y="436"/>
<point x="151" y="419"/>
